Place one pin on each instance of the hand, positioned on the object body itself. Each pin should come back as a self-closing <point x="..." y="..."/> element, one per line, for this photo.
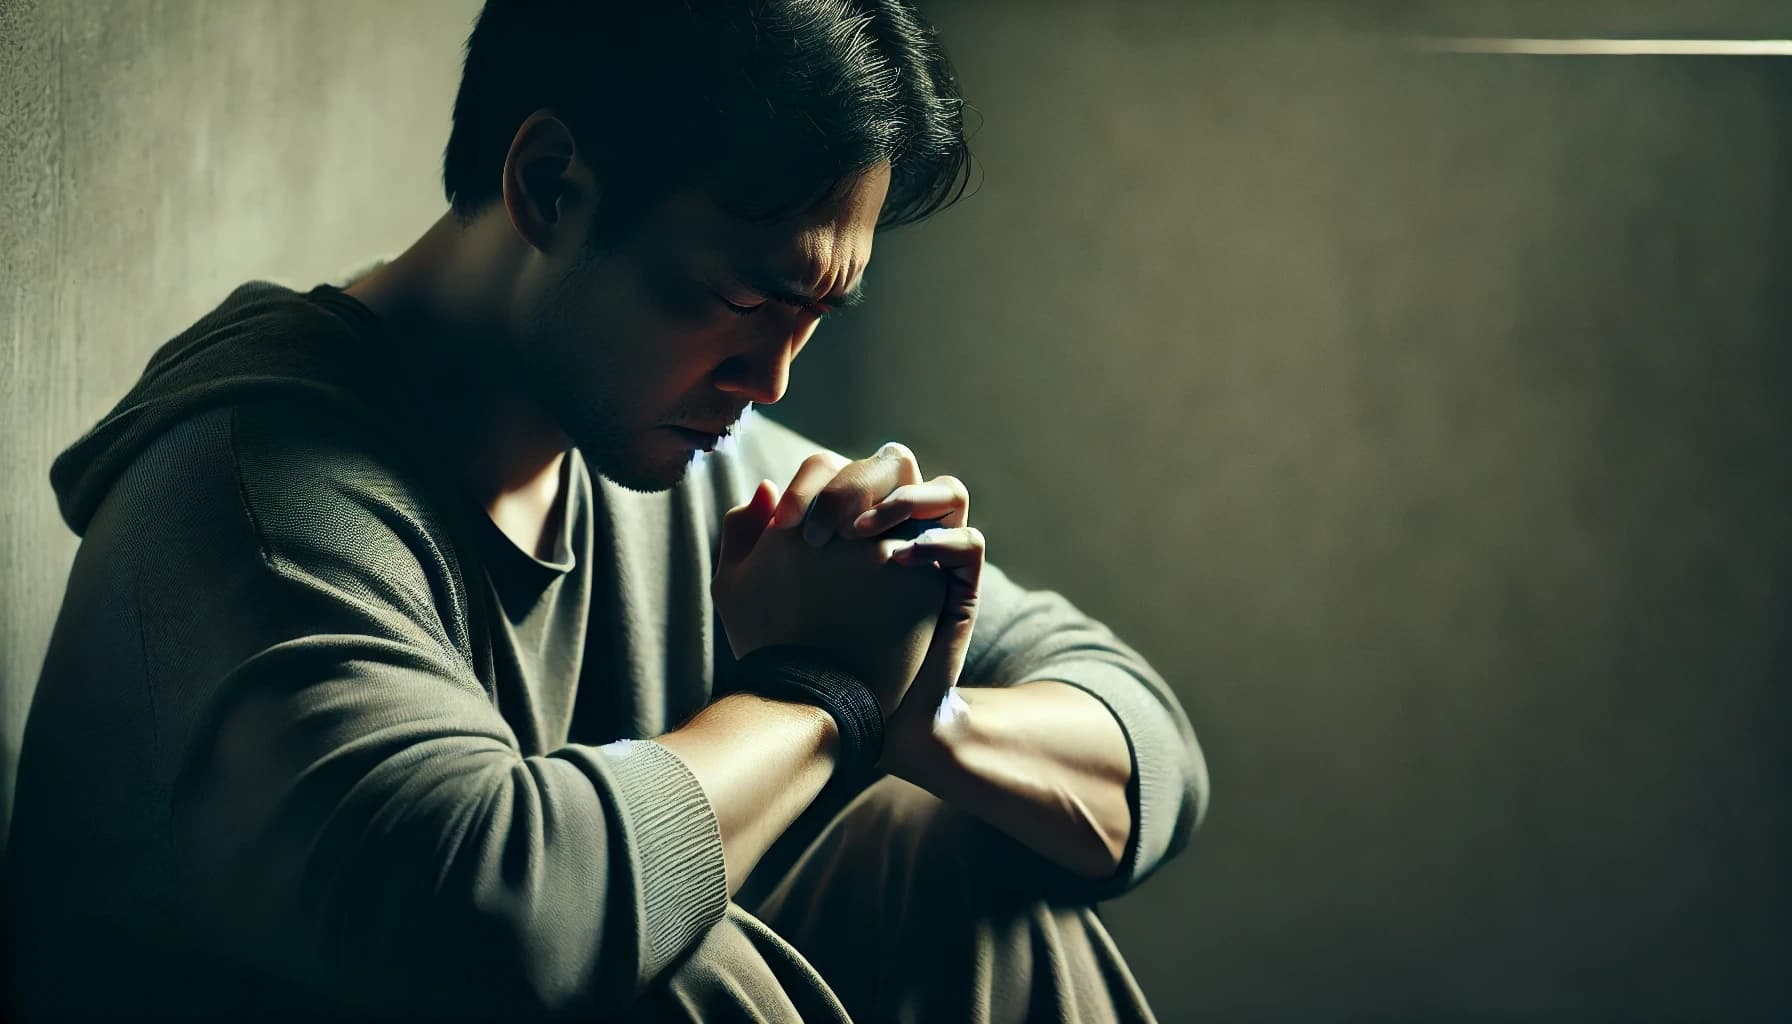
<point x="830" y="496"/>
<point x="849" y="600"/>
<point x="867" y="498"/>
<point x="916" y="732"/>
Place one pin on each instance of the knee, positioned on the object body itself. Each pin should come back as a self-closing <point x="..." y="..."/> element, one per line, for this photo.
<point x="908" y="843"/>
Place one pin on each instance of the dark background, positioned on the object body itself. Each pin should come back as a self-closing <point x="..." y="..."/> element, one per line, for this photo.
<point x="1422" y="417"/>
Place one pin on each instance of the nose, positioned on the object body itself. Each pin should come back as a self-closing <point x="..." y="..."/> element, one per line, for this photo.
<point x="762" y="373"/>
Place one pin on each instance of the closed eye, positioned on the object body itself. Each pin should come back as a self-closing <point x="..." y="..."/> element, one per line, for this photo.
<point x="740" y="310"/>
<point x="816" y="309"/>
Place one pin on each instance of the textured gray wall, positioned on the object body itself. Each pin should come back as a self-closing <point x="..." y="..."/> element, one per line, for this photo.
<point x="1426" y="422"/>
<point x="1420" y="419"/>
<point x="153" y="155"/>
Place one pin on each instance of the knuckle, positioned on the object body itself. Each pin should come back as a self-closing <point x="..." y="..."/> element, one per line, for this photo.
<point x="823" y="460"/>
<point x="898" y="451"/>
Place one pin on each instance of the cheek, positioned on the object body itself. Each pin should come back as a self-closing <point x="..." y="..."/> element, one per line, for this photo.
<point x="663" y="338"/>
<point x="671" y="302"/>
<point x="659" y="373"/>
<point x="688" y="366"/>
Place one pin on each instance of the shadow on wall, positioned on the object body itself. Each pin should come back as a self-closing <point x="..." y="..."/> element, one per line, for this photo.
<point x="1421" y="418"/>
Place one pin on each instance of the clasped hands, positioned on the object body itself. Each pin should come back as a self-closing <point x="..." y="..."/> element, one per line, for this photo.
<point x="813" y="565"/>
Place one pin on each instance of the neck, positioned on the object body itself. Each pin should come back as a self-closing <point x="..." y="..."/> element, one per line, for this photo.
<point x="450" y="289"/>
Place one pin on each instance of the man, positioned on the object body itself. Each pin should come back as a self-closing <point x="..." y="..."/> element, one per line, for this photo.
<point x="390" y="674"/>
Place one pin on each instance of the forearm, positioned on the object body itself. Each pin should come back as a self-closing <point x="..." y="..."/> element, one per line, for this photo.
<point x="760" y="762"/>
<point x="1043" y="761"/>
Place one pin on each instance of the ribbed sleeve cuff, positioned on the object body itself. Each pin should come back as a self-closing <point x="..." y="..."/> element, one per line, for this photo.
<point x="678" y="847"/>
<point x="1159" y="764"/>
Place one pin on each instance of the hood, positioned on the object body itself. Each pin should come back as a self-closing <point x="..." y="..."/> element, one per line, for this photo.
<point x="264" y="341"/>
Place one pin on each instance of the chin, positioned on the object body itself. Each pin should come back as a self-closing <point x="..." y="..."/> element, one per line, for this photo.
<point x="642" y="470"/>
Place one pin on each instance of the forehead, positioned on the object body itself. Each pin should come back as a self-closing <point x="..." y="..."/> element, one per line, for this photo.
<point x="824" y="248"/>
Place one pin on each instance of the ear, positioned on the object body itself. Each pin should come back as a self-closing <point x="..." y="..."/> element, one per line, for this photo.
<point x="548" y="188"/>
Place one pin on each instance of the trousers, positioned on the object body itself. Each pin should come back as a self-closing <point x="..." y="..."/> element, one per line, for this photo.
<point x="897" y="907"/>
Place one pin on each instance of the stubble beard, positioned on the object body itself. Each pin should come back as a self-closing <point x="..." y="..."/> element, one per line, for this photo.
<point x="575" y="397"/>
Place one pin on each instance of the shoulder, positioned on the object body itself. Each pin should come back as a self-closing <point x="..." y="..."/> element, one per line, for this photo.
<point x="312" y="475"/>
<point x="310" y="494"/>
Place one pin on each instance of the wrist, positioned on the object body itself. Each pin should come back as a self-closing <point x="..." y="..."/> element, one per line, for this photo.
<point x="924" y="745"/>
<point x="827" y="731"/>
<point x="746" y="706"/>
<point x="816" y="680"/>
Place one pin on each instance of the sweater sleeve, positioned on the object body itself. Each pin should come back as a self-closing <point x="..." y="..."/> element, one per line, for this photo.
<point x="350" y="812"/>
<point x="1025" y="635"/>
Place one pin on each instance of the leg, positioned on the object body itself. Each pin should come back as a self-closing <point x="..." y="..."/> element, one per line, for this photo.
<point x="908" y="907"/>
<point x="740" y="972"/>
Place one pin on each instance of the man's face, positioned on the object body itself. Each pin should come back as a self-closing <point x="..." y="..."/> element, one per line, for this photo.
<point x="685" y="323"/>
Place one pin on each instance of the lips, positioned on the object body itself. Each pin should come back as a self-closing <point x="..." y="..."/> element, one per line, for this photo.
<point x="706" y="441"/>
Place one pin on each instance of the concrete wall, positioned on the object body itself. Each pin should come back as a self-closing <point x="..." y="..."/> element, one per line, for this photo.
<point x="1422" y="420"/>
<point x="153" y="155"/>
<point x="1426" y="422"/>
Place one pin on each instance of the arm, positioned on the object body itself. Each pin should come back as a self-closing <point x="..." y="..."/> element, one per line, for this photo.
<point x="760" y="762"/>
<point x="349" y="810"/>
<point x="1038" y="751"/>
<point x="1044" y="762"/>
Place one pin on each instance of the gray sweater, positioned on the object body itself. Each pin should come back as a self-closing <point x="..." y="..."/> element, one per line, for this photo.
<point x="312" y="734"/>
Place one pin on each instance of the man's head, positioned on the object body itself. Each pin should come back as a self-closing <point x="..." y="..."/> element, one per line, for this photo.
<point x="690" y="187"/>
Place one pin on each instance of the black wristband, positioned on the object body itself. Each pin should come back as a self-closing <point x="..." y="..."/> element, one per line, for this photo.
<point x="806" y="675"/>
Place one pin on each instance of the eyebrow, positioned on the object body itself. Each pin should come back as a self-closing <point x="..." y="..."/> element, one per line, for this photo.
<point x="790" y="293"/>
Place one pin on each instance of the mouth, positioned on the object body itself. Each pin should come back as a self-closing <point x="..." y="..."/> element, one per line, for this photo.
<point x="697" y="438"/>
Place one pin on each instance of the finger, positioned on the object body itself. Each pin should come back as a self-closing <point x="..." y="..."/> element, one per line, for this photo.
<point x="941" y="667"/>
<point x="815" y="471"/>
<point x="943" y="664"/>
<point x="944" y="498"/>
<point x="856" y="487"/>
<point x="960" y="552"/>
<point x="743" y="524"/>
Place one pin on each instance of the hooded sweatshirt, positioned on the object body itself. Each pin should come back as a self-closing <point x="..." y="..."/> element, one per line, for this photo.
<point x="313" y="735"/>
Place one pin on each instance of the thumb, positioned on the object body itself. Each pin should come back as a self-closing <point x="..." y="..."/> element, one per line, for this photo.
<point x="943" y="663"/>
<point x="742" y="524"/>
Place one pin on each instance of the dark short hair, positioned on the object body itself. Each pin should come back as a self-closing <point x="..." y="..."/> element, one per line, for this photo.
<point x="778" y="102"/>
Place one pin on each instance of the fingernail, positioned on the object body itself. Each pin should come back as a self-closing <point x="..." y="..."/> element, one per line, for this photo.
<point x="816" y="533"/>
<point x="865" y="520"/>
<point x="930" y="536"/>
